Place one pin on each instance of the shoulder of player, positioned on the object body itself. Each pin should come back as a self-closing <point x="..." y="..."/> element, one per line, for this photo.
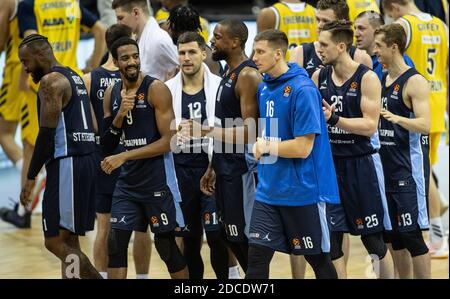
<point x="158" y="87"/>
<point x="53" y="81"/>
<point x="249" y="74"/>
<point x="370" y="80"/>
<point x="416" y="83"/>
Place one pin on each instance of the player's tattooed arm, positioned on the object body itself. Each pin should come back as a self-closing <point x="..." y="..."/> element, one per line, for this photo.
<point x="54" y="93"/>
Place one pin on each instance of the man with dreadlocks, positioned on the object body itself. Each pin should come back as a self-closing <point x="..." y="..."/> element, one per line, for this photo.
<point x="162" y="16"/>
<point x="65" y="144"/>
<point x="185" y="18"/>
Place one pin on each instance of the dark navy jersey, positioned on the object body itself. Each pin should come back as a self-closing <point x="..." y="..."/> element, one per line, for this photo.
<point x="74" y="132"/>
<point x="194" y="153"/>
<point x="144" y="178"/>
<point x="229" y="159"/>
<point x="347" y="100"/>
<point x="101" y="79"/>
<point x="312" y="62"/>
<point x="402" y="151"/>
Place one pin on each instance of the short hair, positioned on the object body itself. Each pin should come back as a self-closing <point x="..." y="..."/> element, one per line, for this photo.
<point x="375" y="19"/>
<point x="192" y="36"/>
<point x="129" y="4"/>
<point x="36" y="43"/>
<point x="116" y="31"/>
<point x="339" y="7"/>
<point x="123" y="41"/>
<point x="275" y="38"/>
<point x="387" y="4"/>
<point x="236" y="29"/>
<point x="341" y="32"/>
<point x="184" y="18"/>
<point x="393" y="34"/>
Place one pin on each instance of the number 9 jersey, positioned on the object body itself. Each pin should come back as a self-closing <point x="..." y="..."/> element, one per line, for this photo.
<point x="427" y="45"/>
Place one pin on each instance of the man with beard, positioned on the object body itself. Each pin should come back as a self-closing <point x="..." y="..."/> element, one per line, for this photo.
<point x="65" y="144"/>
<point x="140" y="108"/>
<point x="236" y="112"/>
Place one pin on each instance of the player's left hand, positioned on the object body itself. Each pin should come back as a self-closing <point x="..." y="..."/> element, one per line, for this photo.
<point x="25" y="195"/>
<point x="109" y="164"/>
<point x="189" y="128"/>
<point x="259" y="148"/>
<point x="389" y="116"/>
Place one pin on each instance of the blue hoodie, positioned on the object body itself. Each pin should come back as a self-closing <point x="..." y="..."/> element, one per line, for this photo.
<point x="296" y="104"/>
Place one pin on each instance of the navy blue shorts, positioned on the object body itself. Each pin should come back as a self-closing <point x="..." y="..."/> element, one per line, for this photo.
<point x="406" y="212"/>
<point x="69" y="197"/>
<point x="105" y="184"/>
<point x="199" y="210"/>
<point x="235" y="196"/>
<point x="363" y="208"/>
<point x="132" y="215"/>
<point x="298" y="230"/>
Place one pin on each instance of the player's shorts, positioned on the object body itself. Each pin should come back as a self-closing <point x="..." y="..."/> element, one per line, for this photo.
<point x="235" y="196"/>
<point x="69" y="197"/>
<point x="199" y="210"/>
<point x="132" y="215"/>
<point x="10" y="102"/>
<point x="299" y="230"/>
<point x="104" y="187"/>
<point x="29" y="116"/>
<point x="435" y="138"/>
<point x="363" y="208"/>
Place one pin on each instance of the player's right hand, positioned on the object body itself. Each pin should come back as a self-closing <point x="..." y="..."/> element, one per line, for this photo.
<point x="208" y="182"/>
<point x="327" y="109"/>
<point x="127" y="103"/>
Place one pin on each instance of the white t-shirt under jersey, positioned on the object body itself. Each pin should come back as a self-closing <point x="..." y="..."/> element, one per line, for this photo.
<point x="159" y="56"/>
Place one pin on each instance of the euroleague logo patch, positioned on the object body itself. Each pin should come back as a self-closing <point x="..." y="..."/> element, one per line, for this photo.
<point x="287" y="91"/>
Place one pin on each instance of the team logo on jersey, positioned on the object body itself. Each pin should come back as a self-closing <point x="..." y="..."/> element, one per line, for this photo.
<point x="154" y="221"/>
<point x="207" y="219"/>
<point x="352" y="89"/>
<point x="141" y="103"/>
<point x="324" y="85"/>
<point x="230" y="81"/>
<point x="360" y="223"/>
<point x="100" y="94"/>
<point x="296" y="243"/>
<point x="394" y="94"/>
<point x="53" y="22"/>
<point x="287" y="91"/>
<point x="310" y="64"/>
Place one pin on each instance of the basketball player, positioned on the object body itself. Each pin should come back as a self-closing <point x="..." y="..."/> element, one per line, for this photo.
<point x="194" y="92"/>
<point x="96" y="83"/>
<point x="289" y="214"/>
<point x="404" y="125"/>
<point x="158" y="54"/>
<point x="294" y="17"/>
<point x="365" y="25"/>
<point x="352" y="95"/>
<point x="65" y="144"/>
<point x="185" y="18"/>
<point x="140" y="108"/>
<point x="162" y="16"/>
<point x="427" y="45"/>
<point x="61" y="24"/>
<point x="236" y="113"/>
<point x="307" y="55"/>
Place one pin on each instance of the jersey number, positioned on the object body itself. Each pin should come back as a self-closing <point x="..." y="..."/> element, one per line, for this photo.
<point x="337" y="102"/>
<point x="129" y="118"/>
<point x="269" y="108"/>
<point x="431" y="63"/>
<point x="195" y="110"/>
<point x="372" y="221"/>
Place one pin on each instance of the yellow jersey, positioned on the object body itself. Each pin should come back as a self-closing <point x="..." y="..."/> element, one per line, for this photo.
<point x="358" y="6"/>
<point x="298" y="21"/>
<point x="13" y="42"/>
<point x="162" y="15"/>
<point x="427" y="45"/>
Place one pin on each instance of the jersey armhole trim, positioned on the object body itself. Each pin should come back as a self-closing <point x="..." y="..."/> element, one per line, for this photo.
<point x="16" y="8"/>
<point x="408" y="31"/>
<point x="277" y="17"/>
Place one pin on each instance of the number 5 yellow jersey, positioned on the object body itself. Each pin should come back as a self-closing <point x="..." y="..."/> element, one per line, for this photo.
<point x="427" y="45"/>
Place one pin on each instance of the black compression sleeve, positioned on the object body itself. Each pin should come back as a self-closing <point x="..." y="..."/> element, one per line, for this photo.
<point x="111" y="136"/>
<point x="43" y="151"/>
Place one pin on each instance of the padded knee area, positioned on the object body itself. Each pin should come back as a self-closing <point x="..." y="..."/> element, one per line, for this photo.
<point x="336" y="240"/>
<point x="118" y="248"/>
<point x="395" y="240"/>
<point x="414" y="242"/>
<point x="169" y="252"/>
<point x="375" y="245"/>
<point x="322" y="266"/>
<point x="259" y="258"/>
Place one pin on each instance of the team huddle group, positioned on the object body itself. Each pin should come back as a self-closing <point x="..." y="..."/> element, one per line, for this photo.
<point x="290" y="150"/>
